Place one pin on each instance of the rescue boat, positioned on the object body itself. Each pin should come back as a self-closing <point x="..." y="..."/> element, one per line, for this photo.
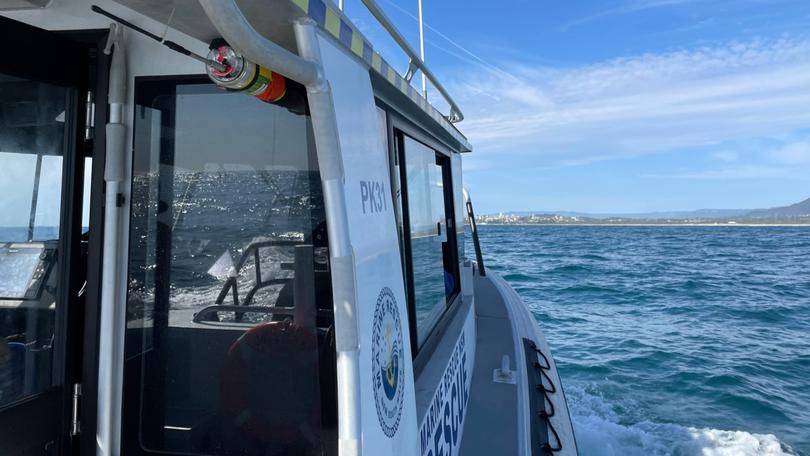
<point x="232" y="228"/>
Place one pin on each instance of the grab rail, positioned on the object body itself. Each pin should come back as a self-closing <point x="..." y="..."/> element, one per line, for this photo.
<point x="471" y="216"/>
<point x="252" y="250"/>
<point x="415" y="61"/>
<point x="206" y="313"/>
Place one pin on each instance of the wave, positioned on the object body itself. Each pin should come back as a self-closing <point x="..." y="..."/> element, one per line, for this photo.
<point x="570" y="268"/>
<point x="588" y="288"/>
<point x="593" y="256"/>
<point x="599" y="432"/>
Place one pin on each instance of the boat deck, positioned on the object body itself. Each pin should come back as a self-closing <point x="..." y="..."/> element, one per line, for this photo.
<point x="491" y="425"/>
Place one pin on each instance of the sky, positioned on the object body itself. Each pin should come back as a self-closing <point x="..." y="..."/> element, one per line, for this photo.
<point x="619" y="106"/>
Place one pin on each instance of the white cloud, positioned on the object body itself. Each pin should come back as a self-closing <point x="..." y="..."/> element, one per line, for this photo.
<point x="726" y="156"/>
<point x="636" y="6"/>
<point x="792" y="154"/>
<point x="737" y="173"/>
<point x="639" y="105"/>
<point x="627" y="8"/>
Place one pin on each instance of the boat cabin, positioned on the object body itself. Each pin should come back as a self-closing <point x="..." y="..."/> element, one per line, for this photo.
<point x="231" y="228"/>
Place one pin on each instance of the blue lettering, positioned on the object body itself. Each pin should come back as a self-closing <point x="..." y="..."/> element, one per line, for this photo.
<point x="447" y="431"/>
<point x="456" y="416"/>
<point x="465" y="393"/>
<point x="383" y="204"/>
<point x="458" y="388"/>
<point x="423" y="437"/>
<point x="437" y="437"/>
<point x="372" y="196"/>
<point x="364" y="194"/>
<point x="445" y="415"/>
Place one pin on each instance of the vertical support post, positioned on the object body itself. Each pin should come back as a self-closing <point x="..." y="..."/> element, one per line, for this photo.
<point x="327" y="145"/>
<point x="422" y="49"/>
<point x="113" y="319"/>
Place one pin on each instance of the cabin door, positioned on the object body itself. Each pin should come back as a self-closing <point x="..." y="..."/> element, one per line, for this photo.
<point x="44" y="236"/>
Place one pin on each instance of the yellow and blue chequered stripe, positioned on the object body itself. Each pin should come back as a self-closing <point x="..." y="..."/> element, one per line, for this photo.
<point x="336" y="25"/>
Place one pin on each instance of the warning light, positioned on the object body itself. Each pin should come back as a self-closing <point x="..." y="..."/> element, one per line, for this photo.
<point x="242" y="75"/>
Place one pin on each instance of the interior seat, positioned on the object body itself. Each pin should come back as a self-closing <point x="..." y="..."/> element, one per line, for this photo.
<point x="270" y="387"/>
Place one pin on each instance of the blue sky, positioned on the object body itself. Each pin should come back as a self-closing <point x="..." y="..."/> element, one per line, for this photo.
<point x="622" y="105"/>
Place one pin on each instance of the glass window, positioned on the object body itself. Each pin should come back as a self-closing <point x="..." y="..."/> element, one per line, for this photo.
<point x="432" y="264"/>
<point x="230" y="345"/>
<point x="32" y="131"/>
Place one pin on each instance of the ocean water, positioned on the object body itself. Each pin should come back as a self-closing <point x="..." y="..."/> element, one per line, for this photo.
<point x="671" y="340"/>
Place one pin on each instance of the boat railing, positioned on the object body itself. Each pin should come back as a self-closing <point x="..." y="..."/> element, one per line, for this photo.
<point x="211" y="313"/>
<point x="479" y="258"/>
<point x="415" y="63"/>
<point x="253" y="251"/>
<point x="228" y="19"/>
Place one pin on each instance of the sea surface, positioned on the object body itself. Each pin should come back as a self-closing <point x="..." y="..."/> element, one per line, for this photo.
<point x="671" y="340"/>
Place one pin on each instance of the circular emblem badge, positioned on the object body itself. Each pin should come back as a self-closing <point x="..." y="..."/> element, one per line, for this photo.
<point x="387" y="362"/>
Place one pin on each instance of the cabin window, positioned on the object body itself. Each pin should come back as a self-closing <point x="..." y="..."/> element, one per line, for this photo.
<point x="427" y="232"/>
<point x="230" y="337"/>
<point x="32" y="139"/>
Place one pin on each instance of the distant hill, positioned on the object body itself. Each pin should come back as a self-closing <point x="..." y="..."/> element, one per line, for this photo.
<point x="801" y="209"/>
<point x="799" y="212"/>
<point x="673" y="215"/>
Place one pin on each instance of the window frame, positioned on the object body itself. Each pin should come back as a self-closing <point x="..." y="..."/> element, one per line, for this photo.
<point x="75" y="326"/>
<point x="132" y="409"/>
<point x="397" y="127"/>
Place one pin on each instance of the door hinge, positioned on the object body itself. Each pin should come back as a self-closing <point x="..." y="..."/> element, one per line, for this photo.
<point x="89" y="116"/>
<point x="75" y="424"/>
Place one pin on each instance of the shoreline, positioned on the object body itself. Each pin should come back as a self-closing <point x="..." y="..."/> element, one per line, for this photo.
<point x="718" y="225"/>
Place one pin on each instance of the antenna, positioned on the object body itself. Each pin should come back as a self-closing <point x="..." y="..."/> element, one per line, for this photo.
<point x="422" y="49"/>
<point x="169" y="44"/>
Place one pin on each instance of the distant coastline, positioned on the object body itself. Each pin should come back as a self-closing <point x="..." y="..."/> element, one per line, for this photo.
<point x="653" y="224"/>
<point x="794" y="215"/>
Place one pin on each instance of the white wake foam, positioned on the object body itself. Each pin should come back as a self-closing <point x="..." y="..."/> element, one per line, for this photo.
<point x="599" y="433"/>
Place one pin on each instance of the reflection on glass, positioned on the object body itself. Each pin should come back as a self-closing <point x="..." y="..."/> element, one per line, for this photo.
<point x="17" y="177"/>
<point x="17" y="266"/>
<point x="49" y="198"/>
<point x="32" y="119"/>
<point x="428" y="235"/>
<point x="229" y="291"/>
<point x="86" y="184"/>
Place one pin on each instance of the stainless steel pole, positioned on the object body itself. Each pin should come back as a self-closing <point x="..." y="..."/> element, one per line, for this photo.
<point x="422" y="49"/>
<point x="113" y="324"/>
<point x="455" y="112"/>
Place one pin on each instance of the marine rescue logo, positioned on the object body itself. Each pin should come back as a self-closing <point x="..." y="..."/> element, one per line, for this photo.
<point x="387" y="362"/>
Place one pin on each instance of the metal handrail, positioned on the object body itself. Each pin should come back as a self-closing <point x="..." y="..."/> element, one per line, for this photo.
<point x="474" y="229"/>
<point x="253" y="250"/>
<point x="204" y="314"/>
<point x="416" y="62"/>
<point x="229" y="21"/>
